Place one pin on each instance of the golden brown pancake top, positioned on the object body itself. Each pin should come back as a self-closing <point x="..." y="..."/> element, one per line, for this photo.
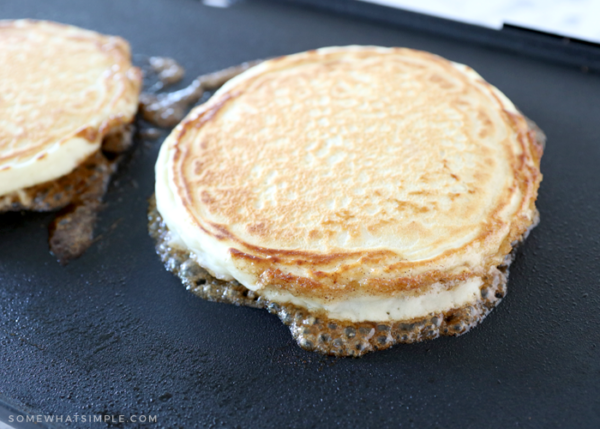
<point x="57" y="83"/>
<point x="350" y="169"/>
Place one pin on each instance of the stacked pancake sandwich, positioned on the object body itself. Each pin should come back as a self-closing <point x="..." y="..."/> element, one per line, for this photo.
<point x="66" y="94"/>
<point x="367" y="196"/>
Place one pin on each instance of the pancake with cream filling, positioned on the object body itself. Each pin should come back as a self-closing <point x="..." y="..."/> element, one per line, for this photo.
<point x="366" y="195"/>
<point x="64" y="91"/>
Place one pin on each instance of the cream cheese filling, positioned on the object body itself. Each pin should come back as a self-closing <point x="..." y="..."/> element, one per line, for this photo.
<point x="379" y="309"/>
<point x="59" y="160"/>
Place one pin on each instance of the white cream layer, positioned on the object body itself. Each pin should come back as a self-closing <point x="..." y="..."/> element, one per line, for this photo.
<point x="378" y="309"/>
<point x="57" y="161"/>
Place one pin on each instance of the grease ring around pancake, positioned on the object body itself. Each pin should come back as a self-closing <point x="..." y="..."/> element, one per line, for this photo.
<point x="367" y="185"/>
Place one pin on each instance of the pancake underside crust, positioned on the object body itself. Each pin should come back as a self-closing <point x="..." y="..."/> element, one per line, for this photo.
<point x="314" y="330"/>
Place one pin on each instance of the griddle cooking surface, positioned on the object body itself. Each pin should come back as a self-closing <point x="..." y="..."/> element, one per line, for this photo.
<point x="115" y="333"/>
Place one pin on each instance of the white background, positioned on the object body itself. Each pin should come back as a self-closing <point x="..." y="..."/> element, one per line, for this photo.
<point x="571" y="18"/>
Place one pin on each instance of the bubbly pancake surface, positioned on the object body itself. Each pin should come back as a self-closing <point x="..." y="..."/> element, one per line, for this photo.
<point x="62" y="89"/>
<point x="345" y="175"/>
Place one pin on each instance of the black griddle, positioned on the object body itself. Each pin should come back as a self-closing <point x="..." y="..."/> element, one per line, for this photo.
<point x="114" y="333"/>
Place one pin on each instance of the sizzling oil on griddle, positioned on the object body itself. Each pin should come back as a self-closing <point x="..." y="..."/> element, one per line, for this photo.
<point x="168" y="109"/>
<point x="71" y="232"/>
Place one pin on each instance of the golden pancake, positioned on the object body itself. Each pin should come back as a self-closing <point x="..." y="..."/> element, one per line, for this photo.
<point x="359" y="185"/>
<point x="63" y="89"/>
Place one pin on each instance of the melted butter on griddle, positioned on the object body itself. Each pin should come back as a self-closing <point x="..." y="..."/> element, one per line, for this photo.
<point x="168" y="109"/>
<point x="71" y="232"/>
<point x="167" y="70"/>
